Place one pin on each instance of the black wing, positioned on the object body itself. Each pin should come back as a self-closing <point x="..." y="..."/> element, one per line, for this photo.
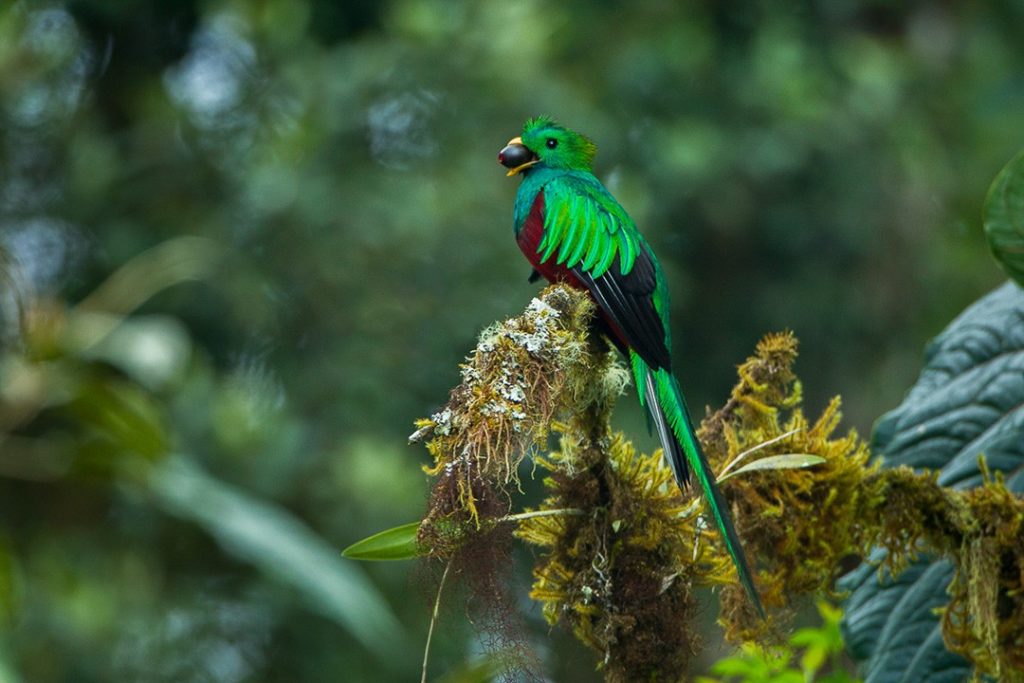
<point x="629" y="301"/>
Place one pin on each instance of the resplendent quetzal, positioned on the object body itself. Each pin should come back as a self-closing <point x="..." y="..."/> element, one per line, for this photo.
<point x="573" y="231"/>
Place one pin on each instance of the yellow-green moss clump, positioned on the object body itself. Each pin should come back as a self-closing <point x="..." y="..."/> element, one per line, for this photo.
<point x="613" y="573"/>
<point x="985" y="617"/>
<point x="622" y="549"/>
<point x="622" y="574"/>
<point x="981" y="530"/>
<point x="813" y="514"/>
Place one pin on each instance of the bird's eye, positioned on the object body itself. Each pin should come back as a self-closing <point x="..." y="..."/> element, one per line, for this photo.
<point x="552" y="143"/>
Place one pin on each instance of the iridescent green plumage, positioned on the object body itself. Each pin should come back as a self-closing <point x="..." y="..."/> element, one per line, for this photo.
<point x="587" y="226"/>
<point x="572" y="229"/>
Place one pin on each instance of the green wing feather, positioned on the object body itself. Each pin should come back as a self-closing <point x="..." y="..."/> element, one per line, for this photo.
<point x="584" y="223"/>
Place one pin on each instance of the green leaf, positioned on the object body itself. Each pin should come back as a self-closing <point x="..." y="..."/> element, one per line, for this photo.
<point x="787" y="676"/>
<point x="1004" y="218"/>
<point x="787" y="461"/>
<point x="279" y="544"/>
<point x="122" y="417"/>
<point x="753" y="663"/>
<point x="398" y="543"/>
<point x="968" y="401"/>
<point x="742" y="666"/>
<point x="812" y="659"/>
<point x="809" y="637"/>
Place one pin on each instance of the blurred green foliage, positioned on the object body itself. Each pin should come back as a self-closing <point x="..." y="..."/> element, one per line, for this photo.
<point x="816" y="166"/>
<point x="820" y="659"/>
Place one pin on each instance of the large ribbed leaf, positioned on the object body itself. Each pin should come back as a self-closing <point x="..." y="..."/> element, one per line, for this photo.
<point x="968" y="401"/>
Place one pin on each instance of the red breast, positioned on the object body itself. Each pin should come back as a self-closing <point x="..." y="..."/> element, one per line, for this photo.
<point x="529" y="239"/>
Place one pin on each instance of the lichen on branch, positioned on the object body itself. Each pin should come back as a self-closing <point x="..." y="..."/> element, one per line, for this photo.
<point x="523" y="373"/>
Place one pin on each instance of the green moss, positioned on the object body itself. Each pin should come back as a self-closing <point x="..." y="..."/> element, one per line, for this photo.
<point x="613" y="575"/>
<point x="620" y="570"/>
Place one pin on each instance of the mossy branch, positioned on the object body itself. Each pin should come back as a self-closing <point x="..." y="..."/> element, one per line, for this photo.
<point x="621" y="570"/>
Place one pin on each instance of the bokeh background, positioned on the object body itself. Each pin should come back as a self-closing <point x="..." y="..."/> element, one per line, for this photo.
<point x="189" y="435"/>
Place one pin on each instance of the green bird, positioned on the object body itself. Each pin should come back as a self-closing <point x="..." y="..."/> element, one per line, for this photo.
<point x="572" y="230"/>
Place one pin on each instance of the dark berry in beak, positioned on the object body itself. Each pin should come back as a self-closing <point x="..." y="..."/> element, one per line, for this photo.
<point x="515" y="155"/>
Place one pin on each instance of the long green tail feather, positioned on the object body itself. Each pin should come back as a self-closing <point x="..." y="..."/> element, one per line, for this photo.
<point x="668" y="409"/>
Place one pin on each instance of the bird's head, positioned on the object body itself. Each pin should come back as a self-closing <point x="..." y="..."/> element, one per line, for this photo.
<point x="546" y="143"/>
